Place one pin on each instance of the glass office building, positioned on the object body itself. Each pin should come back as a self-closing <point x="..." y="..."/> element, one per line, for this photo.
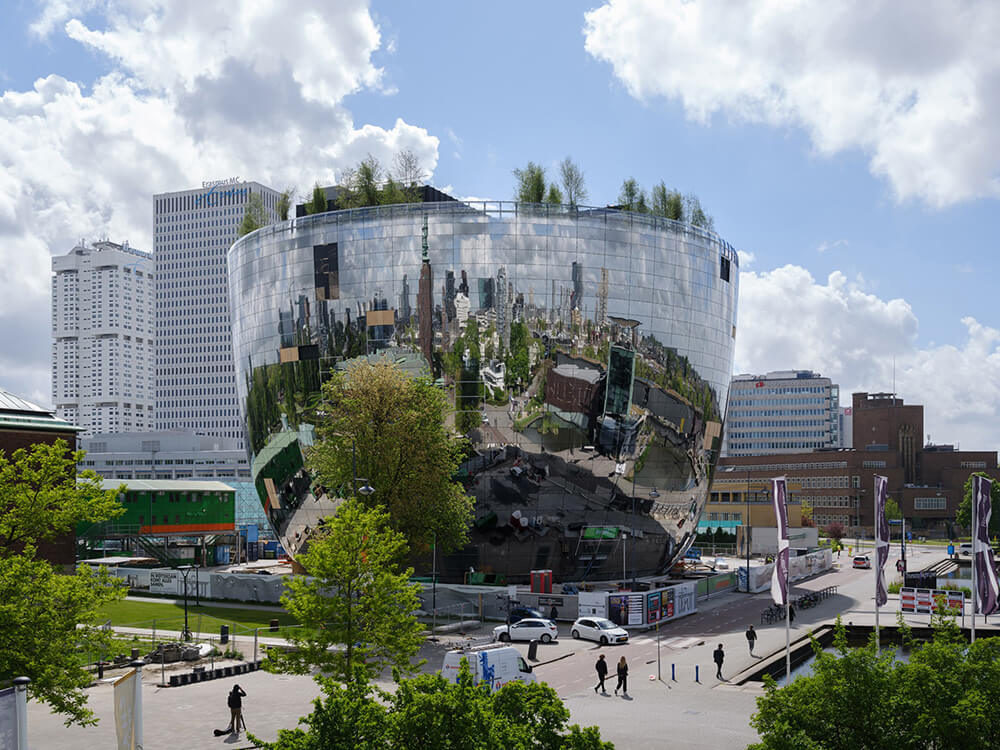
<point x="605" y="349"/>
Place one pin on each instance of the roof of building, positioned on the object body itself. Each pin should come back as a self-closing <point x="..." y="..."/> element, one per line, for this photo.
<point x="17" y="413"/>
<point x="168" y="485"/>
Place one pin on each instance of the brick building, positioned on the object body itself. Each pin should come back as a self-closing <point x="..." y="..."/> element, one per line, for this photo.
<point x="23" y="424"/>
<point x="927" y="481"/>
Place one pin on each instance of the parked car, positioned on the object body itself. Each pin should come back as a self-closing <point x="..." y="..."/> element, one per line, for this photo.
<point x="965" y="549"/>
<point x="862" y="561"/>
<point x="519" y="613"/>
<point x="527" y="630"/>
<point x="600" y="630"/>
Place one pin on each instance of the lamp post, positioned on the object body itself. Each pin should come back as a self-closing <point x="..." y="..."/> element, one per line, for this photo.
<point x="185" y="570"/>
<point x="365" y="489"/>
<point x="653" y="494"/>
<point x="746" y="537"/>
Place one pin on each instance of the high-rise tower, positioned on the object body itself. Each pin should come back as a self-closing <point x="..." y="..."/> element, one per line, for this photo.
<point x="195" y="373"/>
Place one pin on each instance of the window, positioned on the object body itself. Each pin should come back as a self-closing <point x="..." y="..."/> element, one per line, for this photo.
<point x="724" y="264"/>
<point x="930" y="503"/>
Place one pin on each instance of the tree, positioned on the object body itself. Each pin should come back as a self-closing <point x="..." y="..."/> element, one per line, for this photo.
<point x="631" y="197"/>
<point x="530" y="184"/>
<point x="406" y="169"/>
<point x="942" y="698"/>
<point x="253" y="215"/>
<point x="695" y="214"/>
<point x="667" y="203"/>
<point x="48" y="617"/>
<point x="835" y="531"/>
<point x="284" y="204"/>
<point x="554" y="195"/>
<point x="404" y="449"/>
<point x="964" y="514"/>
<point x="356" y="609"/>
<point x="318" y="203"/>
<point x="892" y="510"/>
<point x="572" y="182"/>
<point x="429" y="711"/>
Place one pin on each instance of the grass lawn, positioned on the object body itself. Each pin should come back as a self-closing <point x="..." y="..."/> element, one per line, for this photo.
<point x="171" y="616"/>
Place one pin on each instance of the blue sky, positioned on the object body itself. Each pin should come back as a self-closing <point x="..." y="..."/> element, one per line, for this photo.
<point x="850" y="152"/>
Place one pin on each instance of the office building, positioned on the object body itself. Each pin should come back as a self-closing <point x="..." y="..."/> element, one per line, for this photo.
<point x="195" y="377"/>
<point x="102" y="338"/>
<point x="788" y="411"/>
<point x="622" y="326"/>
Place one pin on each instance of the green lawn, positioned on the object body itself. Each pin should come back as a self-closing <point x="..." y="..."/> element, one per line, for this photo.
<point x="171" y="616"/>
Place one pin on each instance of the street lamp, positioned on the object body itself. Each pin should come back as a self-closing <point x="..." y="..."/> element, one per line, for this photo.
<point x="185" y="570"/>
<point x="653" y="494"/>
<point x="365" y="489"/>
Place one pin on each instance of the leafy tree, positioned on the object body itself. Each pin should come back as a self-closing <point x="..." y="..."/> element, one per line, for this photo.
<point x="572" y="182"/>
<point x="964" y="513"/>
<point x="632" y="197"/>
<point x="835" y="531"/>
<point x="356" y="609"/>
<point x="253" y="215"/>
<point x="429" y="711"/>
<point x="318" y="203"/>
<point x="942" y="698"/>
<point x="42" y="498"/>
<point x="667" y="203"/>
<point x="403" y="448"/>
<point x="284" y="204"/>
<point x="530" y="183"/>
<point x="892" y="510"/>
<point x="554" y="195"/>
<point x="695" y="214"/>
<point x="48" y="617"/>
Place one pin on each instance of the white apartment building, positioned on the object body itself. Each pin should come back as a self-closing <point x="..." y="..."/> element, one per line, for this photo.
<point x="786" y="411"/>
<point x="102" y="338"/>
<point x="195" y="373"/>
<point x="165" y="455"/>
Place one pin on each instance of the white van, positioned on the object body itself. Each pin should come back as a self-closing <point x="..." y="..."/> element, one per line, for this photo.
<point x="965" y="549"/>
<point x="493" y="663"/>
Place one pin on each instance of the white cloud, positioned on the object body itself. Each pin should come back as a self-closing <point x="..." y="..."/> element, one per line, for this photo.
<point x="746" y="258"/>
<point x="826" y="246"/>
<point x="197" y="91"/>
<point x="788" y="320"/>
<point x="916" y="86"/>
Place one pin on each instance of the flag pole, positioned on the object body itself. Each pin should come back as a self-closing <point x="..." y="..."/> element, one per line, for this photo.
<point x="21" y="711"/>
<point x="975" y="537"/>
<point x="878" y="570"/>
<point x="788" y="636"/>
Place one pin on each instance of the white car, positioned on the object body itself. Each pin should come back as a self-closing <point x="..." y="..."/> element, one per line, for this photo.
<point x="600" y="630"/>
<point x="527" y="630"/>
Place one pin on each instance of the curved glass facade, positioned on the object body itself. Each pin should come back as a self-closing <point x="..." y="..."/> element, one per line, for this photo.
<point x="590" y="350"/>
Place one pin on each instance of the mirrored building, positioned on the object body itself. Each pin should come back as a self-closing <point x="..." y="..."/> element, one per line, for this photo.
<point x="588" y="352"/>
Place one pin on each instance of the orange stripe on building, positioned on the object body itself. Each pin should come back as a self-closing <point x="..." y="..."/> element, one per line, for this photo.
<point x="196" y="528"/>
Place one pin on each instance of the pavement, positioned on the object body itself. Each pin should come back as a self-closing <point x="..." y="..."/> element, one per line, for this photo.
<point x="707" y="713"/>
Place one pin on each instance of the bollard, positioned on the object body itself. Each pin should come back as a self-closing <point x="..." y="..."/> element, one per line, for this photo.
<point x="696" y="673"/>
<point x="100" y="670"/>
<point x="673" y="673"/>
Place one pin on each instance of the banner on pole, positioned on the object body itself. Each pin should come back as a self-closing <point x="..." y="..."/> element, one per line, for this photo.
<point x="125" y="711"/>
<point x="988" y="590"/>
<point x="881" y="541"/>
<point x="779" y="580"/>
<point x="8" y="718"/>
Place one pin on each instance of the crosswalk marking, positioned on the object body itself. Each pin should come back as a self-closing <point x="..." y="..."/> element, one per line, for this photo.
<point x="677" y="642"/>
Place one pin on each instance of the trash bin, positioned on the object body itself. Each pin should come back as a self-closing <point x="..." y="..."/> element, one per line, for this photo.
<point x="533" y="649"/>
<point x="274" y="626"/>
<point x="224" y="634"/>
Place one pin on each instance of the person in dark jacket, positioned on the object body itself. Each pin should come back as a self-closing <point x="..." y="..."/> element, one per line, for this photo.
<point x="751" y="638"/>
<point x="719" y="656"/>
<point x="622" y="677"/>
<point x="235" y="701"/>
<point x="602" y="673"/>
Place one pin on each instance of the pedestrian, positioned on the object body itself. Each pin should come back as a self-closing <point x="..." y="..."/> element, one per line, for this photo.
<point x="622" y="677"/>
<point x="553" y="613"/>
<point x="236" y="709"/>
<point x="791" y="613"/>
<point x="751" y="638"/>
<point x="719" y="657"/>
<point x="602" y="673"/>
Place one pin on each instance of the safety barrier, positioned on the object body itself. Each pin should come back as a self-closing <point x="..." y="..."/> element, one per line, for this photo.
<point x="189" y="678"/>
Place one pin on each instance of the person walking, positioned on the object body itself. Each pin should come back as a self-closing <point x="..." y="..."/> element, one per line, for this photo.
<point x="751" y="638"/>
<point x="622" y="677"/>
<point x="236" y="709"/>
<point x="602" y="674"/>
<point x="791" y="614"/>
<point x="553" y="613"/>
<point x="719" y="656"/>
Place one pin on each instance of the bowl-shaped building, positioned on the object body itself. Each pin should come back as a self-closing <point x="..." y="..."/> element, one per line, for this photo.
<point x="605" y="343"/>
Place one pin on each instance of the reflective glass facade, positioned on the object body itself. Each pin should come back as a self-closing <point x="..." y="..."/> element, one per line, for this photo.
<point x="604" y="340"/>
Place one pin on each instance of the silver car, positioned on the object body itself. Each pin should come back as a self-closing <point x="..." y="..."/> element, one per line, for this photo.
<point x="599" y="629"/>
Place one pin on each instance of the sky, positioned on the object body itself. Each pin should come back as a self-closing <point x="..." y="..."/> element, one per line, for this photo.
<point x="850" y="150"/>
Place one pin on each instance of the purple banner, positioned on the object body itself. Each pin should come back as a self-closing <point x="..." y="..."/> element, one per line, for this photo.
<point x="881" y="541"/>
<point x="986" y="574"/>
<point x="779" y="579"/>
